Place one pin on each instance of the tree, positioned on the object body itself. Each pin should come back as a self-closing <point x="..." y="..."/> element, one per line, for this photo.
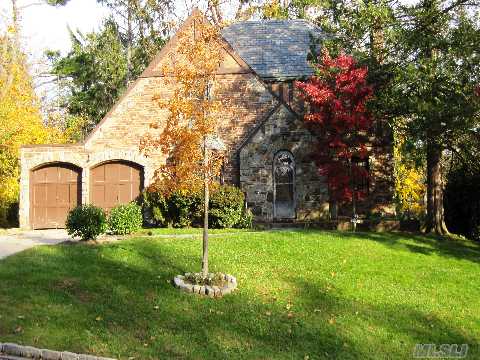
<point x="142" y="23"/>
<point x="101" y="65"/>
<point x="96" y="71"/>
<point x="20" y="121"/>
<point x="338" y="116"/>
<point x="435" y="87"/>
<point x="193" y="117"/>
<point x="424" y="65"/>
<point x="409" y="181"/>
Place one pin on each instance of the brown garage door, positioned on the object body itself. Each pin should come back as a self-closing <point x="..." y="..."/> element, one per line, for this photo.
<point x="55" y="190"/>
<point x="115" y="183"/>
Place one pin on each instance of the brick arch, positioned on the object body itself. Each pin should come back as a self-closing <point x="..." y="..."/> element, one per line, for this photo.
<point x="100" y="157"/>
<point x="43" y="161"/>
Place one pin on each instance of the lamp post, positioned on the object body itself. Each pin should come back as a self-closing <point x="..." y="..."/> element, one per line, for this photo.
<point x="354" y="219"/>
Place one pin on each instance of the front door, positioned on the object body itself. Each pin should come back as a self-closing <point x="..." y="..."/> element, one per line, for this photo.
<point x="284" y="185"/>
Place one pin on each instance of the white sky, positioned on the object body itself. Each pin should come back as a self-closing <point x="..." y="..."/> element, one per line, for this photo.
<point x="45" y="27"/>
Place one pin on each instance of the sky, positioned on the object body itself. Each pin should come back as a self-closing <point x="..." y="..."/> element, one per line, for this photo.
<point x="45" y="27"/>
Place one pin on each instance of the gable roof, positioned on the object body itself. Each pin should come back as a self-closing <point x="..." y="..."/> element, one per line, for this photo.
<point x="274" y="49"/>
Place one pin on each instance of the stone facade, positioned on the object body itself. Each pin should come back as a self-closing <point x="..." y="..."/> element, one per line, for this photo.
<point x="257" y="123"/>
<point x="282" y="131"/>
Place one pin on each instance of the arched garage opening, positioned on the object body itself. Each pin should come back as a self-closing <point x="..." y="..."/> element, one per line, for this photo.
<point x="115" y="182"/>
<point x="55" y="189"/>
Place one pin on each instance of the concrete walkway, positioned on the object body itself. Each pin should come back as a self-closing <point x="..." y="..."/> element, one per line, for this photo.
<point x="15" y="240"/>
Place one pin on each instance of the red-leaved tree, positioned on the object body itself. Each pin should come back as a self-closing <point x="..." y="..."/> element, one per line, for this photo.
<point x="337" y="115"/>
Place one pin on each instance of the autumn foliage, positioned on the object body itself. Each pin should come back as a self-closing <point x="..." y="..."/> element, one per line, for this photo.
<point x="20" y="121"/>
<point x="337" y="96"/>
<point x="192" y="109"/>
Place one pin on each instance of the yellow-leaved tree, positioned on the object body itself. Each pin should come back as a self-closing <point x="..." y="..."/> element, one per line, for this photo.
<point x="20" y="122"/>
<point x="188" y="134"/>
<point x="409" y="182"/>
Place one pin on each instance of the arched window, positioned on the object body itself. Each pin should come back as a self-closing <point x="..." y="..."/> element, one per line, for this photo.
<point x="284" y="185"/>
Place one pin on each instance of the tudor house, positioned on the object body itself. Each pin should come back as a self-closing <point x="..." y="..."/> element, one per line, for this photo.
<point x="268" y="147"/>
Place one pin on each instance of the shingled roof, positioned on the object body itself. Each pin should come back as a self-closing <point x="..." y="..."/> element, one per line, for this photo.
<point x="274" y="49"/>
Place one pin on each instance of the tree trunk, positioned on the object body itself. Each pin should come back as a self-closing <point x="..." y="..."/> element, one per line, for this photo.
<point x="205" y="212"/>
<point x="435" y="220"/>
<point x="129" y="44"/>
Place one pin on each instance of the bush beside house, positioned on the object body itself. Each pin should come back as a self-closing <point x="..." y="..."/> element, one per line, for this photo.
<point x="179" y="209"/>
<point x="86" y="222"/>
<point x="125" y="219"/>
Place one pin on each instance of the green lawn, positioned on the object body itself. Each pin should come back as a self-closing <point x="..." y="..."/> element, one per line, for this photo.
<point x="188" y="231"/>
<point x="303" y="294"/>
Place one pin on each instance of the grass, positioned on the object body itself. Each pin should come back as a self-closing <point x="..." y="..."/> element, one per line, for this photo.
<point x="303" y="294"/>
<point x="188" y="231"/>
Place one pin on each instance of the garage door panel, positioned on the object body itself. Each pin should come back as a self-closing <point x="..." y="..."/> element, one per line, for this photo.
<point x="40" y="195"/>
<point x="55" y="190"/>
<point x="40" y="176"/>
<point x="51" y="197"/>
<point x="98" y="174"/>
<point x="111" y="173"/>
<point x="67" y="175"/>
<point x="136" y="190"/>
<point x="62" y="213"/>
<point x="124" y="193"/>
<point x="74" y="193"/>
<point x="124" y="173"/>
<point x="98" y="193"/>
<point x="51" y="175"/>
<point x="63" y="195"/>
<point x="51" y="217"/>
<point x="111" y="194"/>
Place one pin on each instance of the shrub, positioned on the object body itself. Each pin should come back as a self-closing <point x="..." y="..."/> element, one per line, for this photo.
<point x="155" y="208"/>
<point x="183" y="209"/>
<point x="125" y="219"/>
<point x="246" y="220"/>
<point x="86" y="222"/>
<point x="226" y="207"/>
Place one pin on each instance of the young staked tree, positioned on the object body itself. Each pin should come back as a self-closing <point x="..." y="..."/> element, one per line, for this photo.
<point x="193" y="116"/>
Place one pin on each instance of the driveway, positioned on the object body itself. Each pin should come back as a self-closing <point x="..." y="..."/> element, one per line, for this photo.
<point x="14" y="240"/>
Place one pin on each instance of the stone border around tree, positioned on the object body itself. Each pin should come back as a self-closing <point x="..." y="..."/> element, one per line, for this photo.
<point x="14" y="351"/>
<point x="207" y="290"/>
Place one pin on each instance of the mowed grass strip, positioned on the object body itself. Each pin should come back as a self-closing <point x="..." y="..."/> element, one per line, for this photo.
<point x="302" y="294"/>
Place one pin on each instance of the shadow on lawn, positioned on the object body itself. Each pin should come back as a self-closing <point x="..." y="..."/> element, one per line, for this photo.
<point x="116" y="300"/>
<point x="124" y="308"/>
<point x="426" y="245"/>
<point x="408" y="325"/>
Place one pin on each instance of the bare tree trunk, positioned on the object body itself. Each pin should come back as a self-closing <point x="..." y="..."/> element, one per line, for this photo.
<point x="129" y="43"/>
<point x="435" y="217"/>
<point x="205" y="212"/>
